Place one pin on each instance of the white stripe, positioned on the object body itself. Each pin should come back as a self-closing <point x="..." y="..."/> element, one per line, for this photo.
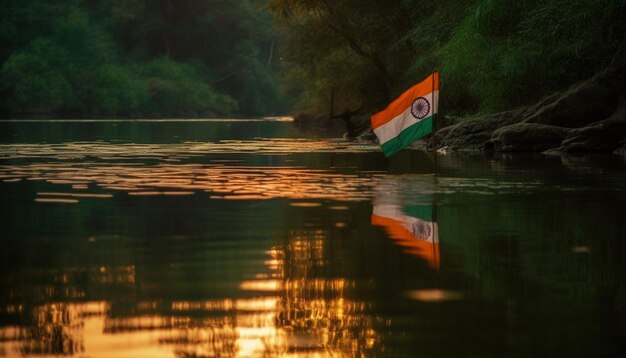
<point x="389" y="211"/>
<point x="410" y="223"/>
<point x="392" y="129"/>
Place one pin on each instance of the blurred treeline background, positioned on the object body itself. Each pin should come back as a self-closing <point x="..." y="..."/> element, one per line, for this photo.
<point x="492" y="54"/>
<point x="263" y="57"/>
<point x="137" y="58"/>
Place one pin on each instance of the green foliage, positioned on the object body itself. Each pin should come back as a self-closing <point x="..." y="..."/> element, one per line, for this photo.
<point x="256" y="87"/>
<point x="229" y="42"/>
<point x="32" y="85"/>
<point x="366" y="52"/>
<point x="508" y="54"/>
<point x="137" y="58"/>
<point x="215" y="57"/>
<point x="492" y="54"/>
<point x="116" y="91"/>
<point x="23" y="21"/>
<point x="176" y="88"/>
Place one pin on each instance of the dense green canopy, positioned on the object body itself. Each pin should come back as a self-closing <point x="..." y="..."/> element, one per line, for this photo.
<point x="226" y="57"/>
<point x="137" y="58"/>
<point x="492" y="54"/>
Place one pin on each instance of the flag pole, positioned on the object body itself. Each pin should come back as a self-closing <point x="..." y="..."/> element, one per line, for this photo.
<point x="436" y="250"/>
<point x="434" y="206"/>
<point x="434" y="126"/>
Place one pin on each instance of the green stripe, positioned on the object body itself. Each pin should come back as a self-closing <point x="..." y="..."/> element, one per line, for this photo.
<point x="424" y="212"/>
<point x="408" y="136"/>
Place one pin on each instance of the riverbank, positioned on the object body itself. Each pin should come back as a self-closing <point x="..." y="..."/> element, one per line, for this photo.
<point x="588" y="117"/>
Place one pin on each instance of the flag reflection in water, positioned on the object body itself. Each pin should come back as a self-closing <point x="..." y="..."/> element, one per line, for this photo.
<point x="411" y="225"/>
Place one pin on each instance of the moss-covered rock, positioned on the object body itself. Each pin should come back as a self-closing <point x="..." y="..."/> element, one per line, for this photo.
<point x="526" y="137"/>
<point x="604" y="136"/>
<point x="589" y="117"/>
<point x="472" y="135"/>
<point x="589" y="102"/>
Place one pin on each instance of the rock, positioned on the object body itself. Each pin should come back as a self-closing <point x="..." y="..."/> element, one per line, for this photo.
<point x="533" y="109"/>
<point x="603" y="136"/>
<point x="582" y="107"/>
<point x="622" y="149"/>
<point x="357" y="124"/>
<point x="589" y="102"/>
<point x="472" y="135"/>
<point x="367" y="135"/>
<point x="553" y="152"/>
<point x="526" y="137"/>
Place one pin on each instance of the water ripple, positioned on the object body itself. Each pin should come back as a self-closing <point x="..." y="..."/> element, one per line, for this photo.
<point x="161" y="169"/>
<point x="177" y="151"/>
<point x="222" y="182"/>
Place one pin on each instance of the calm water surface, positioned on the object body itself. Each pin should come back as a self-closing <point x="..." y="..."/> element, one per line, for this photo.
<point x="249" y="238"/>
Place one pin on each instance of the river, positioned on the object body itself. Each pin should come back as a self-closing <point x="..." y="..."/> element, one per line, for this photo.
<point x="248" y="237"/>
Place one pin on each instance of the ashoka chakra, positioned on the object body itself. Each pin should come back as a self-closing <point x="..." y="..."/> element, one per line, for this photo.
<point x="420" y="108"/>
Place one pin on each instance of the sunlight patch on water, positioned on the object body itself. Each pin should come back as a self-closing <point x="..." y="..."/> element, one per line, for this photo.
<point x="221" y="182"/>
<point x="238" y="182"/>
<point x="56" y="200"/>
<point x="305" y="204"/>
<point x="77" y="195"/>
<point x="128" y="167"/>
<point x="177" y="151"/>
<point x="433" y="295"/>
<point x="580" y="249"/>
<point x="291" y="313"/>
<point x="339" y="207"/>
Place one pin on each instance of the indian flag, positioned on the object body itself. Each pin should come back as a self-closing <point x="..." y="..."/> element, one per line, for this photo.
<point x="412" y="225"/>
<point x="415" y="231"/>
<point x="409" y="117"/>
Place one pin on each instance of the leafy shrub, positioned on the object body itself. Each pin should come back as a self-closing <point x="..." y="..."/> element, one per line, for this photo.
<point x="178" y="88"/>
<point x="31" y="85"/>
<point x="116" y="91"/>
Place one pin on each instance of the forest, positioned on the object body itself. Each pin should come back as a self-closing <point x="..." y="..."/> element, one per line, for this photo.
<point x="189" y="58"/>
<point x="492" y="55"/>
<point x="130" y="58"/>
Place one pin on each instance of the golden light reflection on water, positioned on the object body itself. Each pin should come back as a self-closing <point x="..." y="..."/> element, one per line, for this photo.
<point x="291" y="311"/>
<point x="433" y="295"/>
<point x="56" y="200"/>
<point x="123" y="167"/>
<point x="158" y="169"/>
<point x="222" y="182"/>
<point x="76" y="195"/>
<point x="318" y="310"/>
<point x="178" y="151"/>
<point x="288" y="311"/>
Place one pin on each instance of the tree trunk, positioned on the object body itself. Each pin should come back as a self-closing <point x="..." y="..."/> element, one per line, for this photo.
<point x="167" y="17"/>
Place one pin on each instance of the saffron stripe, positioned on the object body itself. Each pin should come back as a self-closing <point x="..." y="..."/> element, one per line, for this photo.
<point x="398" y="229"/>
<point x="425" y="248"/>
<point x="405" y="100"/>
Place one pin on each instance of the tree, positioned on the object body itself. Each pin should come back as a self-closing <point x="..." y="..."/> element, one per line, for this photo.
<point x="138" y="57"/>
<point x="392" y="45"/>
<point x="492" y="54"/>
